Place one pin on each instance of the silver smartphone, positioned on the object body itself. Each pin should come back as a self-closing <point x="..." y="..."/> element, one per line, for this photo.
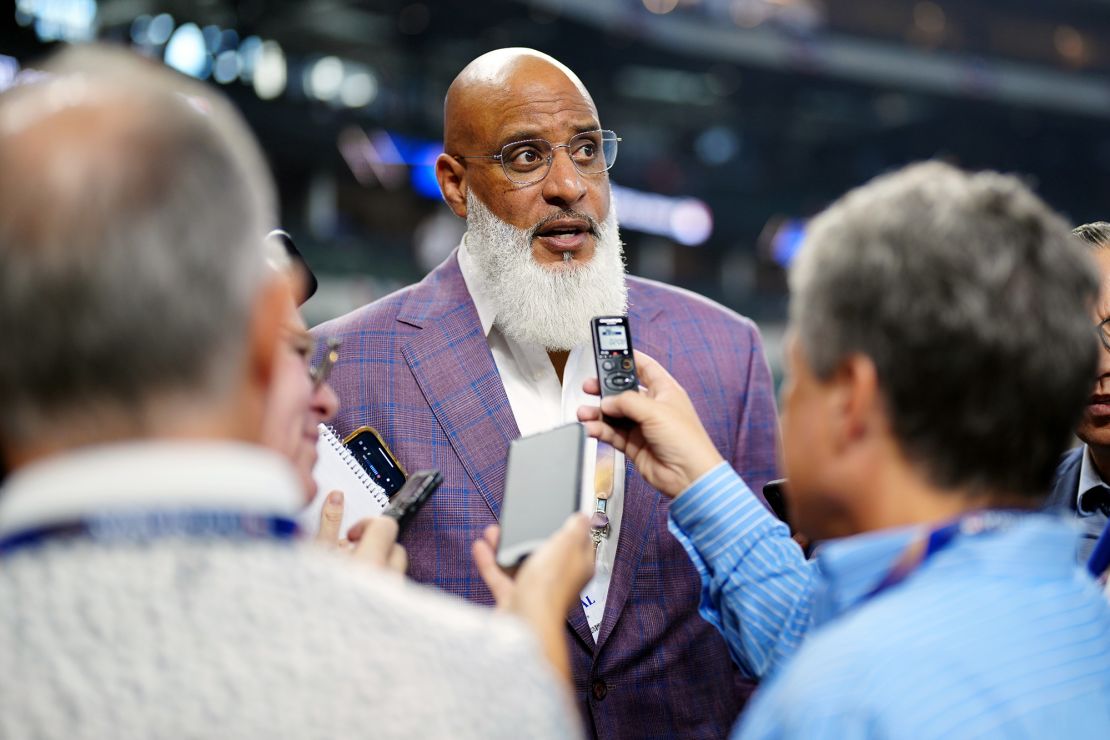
<point x="543" y="484"/>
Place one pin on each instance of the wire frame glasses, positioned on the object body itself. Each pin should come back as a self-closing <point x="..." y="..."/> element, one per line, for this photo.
<point x="1104" y="333"/>
<point x="320" y="371"/>
<point x="305" y="345"/>
<point x="527" y="162"/>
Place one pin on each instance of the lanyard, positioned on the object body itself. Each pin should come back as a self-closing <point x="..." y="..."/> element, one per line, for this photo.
<point x="143" y="527"/>
<point x="1099" y="561"/>
<point x="932" y="541"/>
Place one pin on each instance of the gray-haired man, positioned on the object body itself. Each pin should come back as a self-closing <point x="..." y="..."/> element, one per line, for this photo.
<point x="148" y="581"/>
<point x="923" y="414"/>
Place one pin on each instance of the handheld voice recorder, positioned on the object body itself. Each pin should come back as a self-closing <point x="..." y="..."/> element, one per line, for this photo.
<point x="616" y="368"/>
<point x="411" y="497"/>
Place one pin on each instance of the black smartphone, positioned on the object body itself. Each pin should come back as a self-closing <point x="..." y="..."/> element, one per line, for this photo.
<point x="543" y="486"/>
<point x="417" y="489"/>
<point x="616" y="368"/>
<point x="776" y="498"/>
<point x="375" y="457"/>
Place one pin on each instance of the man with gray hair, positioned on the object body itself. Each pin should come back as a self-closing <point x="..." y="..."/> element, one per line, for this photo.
<point x="149" y="582"/>
<point x="923" y="414"/>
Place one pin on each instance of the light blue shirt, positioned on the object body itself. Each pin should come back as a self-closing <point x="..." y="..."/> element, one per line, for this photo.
<point x="997" y="635"/>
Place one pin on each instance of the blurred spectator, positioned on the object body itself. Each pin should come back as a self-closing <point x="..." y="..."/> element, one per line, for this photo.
<point x="1079" y="485"/>
<point x="149" y="584"/>
<point x="924" y="410"/>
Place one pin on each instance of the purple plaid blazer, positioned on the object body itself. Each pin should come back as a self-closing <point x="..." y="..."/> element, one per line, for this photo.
<point x="416" y="366"/>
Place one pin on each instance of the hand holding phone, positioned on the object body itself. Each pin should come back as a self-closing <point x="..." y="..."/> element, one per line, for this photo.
<point x="616" y="366"/>
<point x="543" y="484"/>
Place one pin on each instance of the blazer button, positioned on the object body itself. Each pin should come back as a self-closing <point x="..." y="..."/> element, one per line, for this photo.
<point x="600" y="690"/>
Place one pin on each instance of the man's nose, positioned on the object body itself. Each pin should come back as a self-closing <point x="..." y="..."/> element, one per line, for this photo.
<point x="325" y="403"/>
<point x="564" y="185"/>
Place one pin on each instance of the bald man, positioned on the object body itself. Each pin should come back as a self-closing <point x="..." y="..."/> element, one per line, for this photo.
<point x="494" y="344"/>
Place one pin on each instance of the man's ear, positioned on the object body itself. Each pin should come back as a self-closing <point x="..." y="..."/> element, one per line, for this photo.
<point x="452" y="183"/>
<point x="857" y="402"/>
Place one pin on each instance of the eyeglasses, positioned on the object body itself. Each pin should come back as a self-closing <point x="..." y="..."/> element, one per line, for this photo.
<point x="1104" y="333"/>
<point x="305" y="345"/>
<point x="528" y="162"/>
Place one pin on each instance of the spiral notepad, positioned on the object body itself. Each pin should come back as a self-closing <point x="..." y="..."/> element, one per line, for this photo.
<point x="337" y="469"/>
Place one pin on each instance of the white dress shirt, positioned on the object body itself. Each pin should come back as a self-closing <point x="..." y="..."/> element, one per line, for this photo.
<point x="540" y="402"/>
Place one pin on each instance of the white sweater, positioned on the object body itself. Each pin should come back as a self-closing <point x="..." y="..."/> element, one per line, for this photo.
<point x="245" y="638"/>
<point x="254" y="639"/>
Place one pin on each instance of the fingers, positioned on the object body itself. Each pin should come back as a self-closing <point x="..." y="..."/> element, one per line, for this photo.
<point x="485" y="559"/>
<point x="331" y="519"/>
<point x="376" y="537"/>
<point x="550" y="580"/>
<point x="575" y="532"/>
<point x="492" y="535"/>
<point x="592" y="386"/>
<point x="398" y="560"/>
<point x="652" y="375"/>
<point x="637" y="407"/>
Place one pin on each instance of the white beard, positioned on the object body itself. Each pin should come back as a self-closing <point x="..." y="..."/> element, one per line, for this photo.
<point x="546" y="305"/>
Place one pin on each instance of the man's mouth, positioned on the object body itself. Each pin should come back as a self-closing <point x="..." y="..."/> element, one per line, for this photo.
<point x="564" y="235"/>
<point x="1098" y="405"/>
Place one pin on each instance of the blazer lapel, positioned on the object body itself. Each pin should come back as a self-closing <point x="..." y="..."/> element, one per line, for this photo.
<point x="452" y="364"/>
<point x="641" y="501"/>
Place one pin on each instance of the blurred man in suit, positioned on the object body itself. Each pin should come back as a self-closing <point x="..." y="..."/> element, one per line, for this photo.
<point x="924" y="409"/>
<point x="150" y="582"/>
<point x="494" y="344"/>
<point x="1079" y="485"/>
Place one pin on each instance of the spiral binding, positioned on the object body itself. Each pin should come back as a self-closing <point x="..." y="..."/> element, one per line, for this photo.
<point x="349" y="460"/>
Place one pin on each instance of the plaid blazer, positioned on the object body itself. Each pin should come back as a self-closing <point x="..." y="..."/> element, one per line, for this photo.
<point x="416" y="366"/>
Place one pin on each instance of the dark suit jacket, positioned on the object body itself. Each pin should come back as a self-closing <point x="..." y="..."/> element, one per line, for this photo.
<point x="1065" y="484"/>
<point x="1064" y="496"/>
<point x="416" y="366"/>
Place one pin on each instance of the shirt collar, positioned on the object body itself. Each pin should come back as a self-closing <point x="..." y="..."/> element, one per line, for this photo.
<point x="149" y="475"/>
<point x="1088" y="479"/>
<point x="1037" y="546"/>
<point x="475" y="285"/>
<point x="853" y="566"/>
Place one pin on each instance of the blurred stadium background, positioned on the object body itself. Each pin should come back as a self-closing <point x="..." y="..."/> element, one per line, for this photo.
<point x="739" y="118"/>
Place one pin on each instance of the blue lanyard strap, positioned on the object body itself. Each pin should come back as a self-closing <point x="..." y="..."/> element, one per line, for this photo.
<point x="143" y="527"/>
<point x="932" y="541"/>
<point x="1100" y="556"/>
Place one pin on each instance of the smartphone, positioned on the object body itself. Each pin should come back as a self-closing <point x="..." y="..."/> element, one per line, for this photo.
<point x="543" y="486"/>
<point x="417" y="489"/>
<point x="776" y="498"/>
<point x="375" y="457"/>
<point x="616" y="368"/>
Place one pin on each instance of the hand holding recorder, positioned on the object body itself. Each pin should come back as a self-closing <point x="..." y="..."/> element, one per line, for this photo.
<point x="372" y="541"/>
<point x="667" y="442"/>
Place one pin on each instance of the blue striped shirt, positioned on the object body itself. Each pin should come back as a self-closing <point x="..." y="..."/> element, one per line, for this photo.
<point x="997" y="635"/>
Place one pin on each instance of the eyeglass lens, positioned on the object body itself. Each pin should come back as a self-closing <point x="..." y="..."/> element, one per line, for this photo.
<point x="592" y="152"/>
<point x="320" y="372"/>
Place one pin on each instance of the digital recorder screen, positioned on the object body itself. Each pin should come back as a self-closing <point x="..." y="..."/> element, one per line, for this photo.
<point x="612" y="338"/>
